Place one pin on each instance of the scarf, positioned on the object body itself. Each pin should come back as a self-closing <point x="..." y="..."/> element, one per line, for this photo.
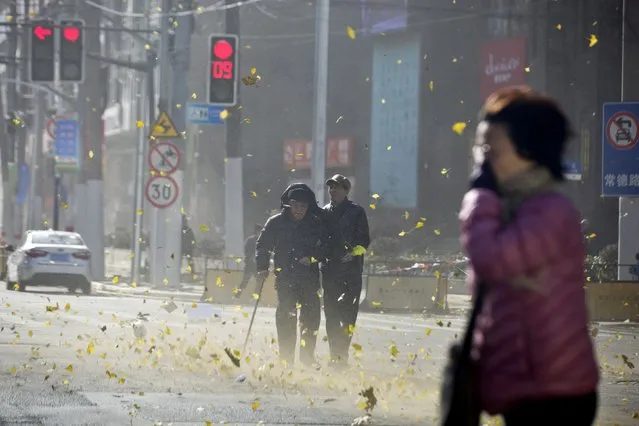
<point x="514" y="193"/>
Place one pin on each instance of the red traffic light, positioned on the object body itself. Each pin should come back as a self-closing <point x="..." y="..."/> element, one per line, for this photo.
<point x="42" y="33"/>
<point x="222" y="49"/>
<point x="71" y="34"/>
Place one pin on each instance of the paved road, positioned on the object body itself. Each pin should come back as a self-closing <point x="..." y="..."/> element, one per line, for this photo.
<point x="82" y="364"/>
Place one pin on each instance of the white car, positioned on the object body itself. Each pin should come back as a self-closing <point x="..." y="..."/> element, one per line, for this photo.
<point x="50" y="259"/>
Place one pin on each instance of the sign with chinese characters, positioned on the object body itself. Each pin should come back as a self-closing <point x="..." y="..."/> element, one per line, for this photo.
<point x="503" y="63"/>
<point x="620" y="151"/>
<point x="66" y="146"/>
<point x="298" y="154"/>
<point x="395" y="119"/>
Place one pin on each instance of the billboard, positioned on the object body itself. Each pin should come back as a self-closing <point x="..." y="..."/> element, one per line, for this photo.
<point x="503" y="63"/>
<point x="379" y="16"/>
<point x="395" y="120"/>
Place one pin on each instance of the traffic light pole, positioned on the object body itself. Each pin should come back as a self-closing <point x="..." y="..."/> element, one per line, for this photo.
<point x="233" y="170"/>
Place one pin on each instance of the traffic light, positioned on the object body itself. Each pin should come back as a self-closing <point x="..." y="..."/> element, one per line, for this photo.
<point x="222" y="71"/>
<point x="42" y="52"/>
<point x="71" y="65"/>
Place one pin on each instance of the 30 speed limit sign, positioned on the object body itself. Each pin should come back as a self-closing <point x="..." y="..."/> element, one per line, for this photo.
<point x="162" y="191"/>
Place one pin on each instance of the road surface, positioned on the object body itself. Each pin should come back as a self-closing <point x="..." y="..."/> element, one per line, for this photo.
<point x="67" y="359"/>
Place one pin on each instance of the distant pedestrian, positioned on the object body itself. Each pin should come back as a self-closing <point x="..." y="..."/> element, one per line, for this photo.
<point x="295" y="237"/>
<point x="249" y="259"/>
<point x="349" y="238"/>
<point x="188" y="244"/>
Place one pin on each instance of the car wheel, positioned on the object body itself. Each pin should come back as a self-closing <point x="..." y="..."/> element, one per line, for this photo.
<point x="86" y="287"/>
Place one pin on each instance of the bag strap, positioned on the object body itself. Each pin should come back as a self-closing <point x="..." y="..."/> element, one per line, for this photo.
<point x="472" y="322"/>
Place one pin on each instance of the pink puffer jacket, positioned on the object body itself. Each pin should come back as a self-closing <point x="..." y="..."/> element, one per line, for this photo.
<point x="532" y="336"/>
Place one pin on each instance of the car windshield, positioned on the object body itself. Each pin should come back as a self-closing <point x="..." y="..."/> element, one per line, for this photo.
<point x="58" y="239"/>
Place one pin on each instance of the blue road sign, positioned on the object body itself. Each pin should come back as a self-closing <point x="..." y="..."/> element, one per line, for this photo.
<point x="203" y="114"/>
<point x="66" y="148"/>
<point x="620" y="151"/>
<point x="572" y="170"/>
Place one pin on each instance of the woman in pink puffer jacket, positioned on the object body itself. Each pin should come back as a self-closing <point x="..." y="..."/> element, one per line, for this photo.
<point x="523" y="238"/>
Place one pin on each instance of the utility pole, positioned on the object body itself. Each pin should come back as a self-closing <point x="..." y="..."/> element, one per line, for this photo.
<point x="91" y="96"/>
<point x="318" y="171"/>
<point x="161" y="260"/>
<point x="233" y="170"/>
<point x="37" y="163"/>
<point x="8" y="190"/>
<point x="24" y="106"/>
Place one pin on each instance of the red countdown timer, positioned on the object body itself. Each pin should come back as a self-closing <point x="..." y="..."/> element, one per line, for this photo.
<point x="223" y="67"/>
<point x="223" y="56"/>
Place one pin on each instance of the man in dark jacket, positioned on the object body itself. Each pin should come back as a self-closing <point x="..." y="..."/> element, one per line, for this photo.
<point x="342" y="272"/>
<point x="249" y="259"/>
<point x="296" y="238"/>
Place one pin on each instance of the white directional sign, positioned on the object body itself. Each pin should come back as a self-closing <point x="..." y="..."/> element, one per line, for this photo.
<point x="162" y="191"/>
<point x="164" y="158"/>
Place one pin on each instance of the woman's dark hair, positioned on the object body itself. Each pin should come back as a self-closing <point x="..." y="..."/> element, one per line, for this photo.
<point x="537" y="126"/>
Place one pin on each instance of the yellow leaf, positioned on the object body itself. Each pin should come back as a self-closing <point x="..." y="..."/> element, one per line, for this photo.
<point x="375" y="196"/>
<point x="253" y="70"/>
<point x="255" y="405"/>
<point x="389" y="147"/>
<point x="69" y="368"/>
<point x="591" y="236"/>
<point x="376" y="304"/>
<point x="428" y="331"/>
<point x="393" y="350"/>
<point x="358" y="251"/>
<point x="459" y="127"/>
<point x="139" y="124"/>
<point x="13" y="370"/>
<point x="372" y="206"/>
<point x="559" y="27"/>
<point x="204" y="228"/>
<point x="90" y="348"/>
<point x="224" y="114"/>
<point x="592" y="40"/>
<point x="350" y="32"/>
<point x="527" y="69"/>
<point x="302" y="343"/>
<point x="431" y="85"/>
<point x="65" y="382"/>
<point x="121" y="381"/>
<point x="167" y="330"/>
<point x="50" y="308"/>
<point x="218" y="282"/>
<point x="64" y="206"/>
<point x="47" y="323"/>
<point x="115" y="279"/>
<point x="419" y="225"/>
<point x="437" y="232"/>
<point x="30" y="333"/>
<point x="313" y="260"/>
<point x="401" y="234"/>
<point x="357" y="347"/>
<point x="67" y="307"/>
<point x="253" y="194"/>
<point x="256" y="296"/>
<point x="444" y="171"/>
<point x="91" y="154"/>
<point x="111" y="375"/>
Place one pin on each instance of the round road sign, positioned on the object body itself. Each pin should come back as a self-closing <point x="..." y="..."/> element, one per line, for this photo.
<point x="622" y="131"/>
<point x="51" y="124"/>
<point x="164" y="157"/>
<point x="162" y="191"/>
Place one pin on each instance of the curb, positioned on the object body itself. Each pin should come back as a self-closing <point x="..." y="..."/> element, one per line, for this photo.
<point x="126" y="290"/>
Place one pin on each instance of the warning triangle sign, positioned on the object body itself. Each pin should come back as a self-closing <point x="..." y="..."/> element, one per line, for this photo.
<point x="164" y="127"/>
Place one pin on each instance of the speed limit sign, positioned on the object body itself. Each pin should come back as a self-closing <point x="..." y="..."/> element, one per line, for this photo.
<point x="162" y="191"/>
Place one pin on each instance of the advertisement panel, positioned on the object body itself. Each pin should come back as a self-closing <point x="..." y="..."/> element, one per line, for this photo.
<point x="395" y="120"/>
<point x="380" y="16"/>
<point x="503" y="63"/>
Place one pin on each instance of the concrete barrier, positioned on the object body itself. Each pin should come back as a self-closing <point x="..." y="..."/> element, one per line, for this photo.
<point x="614" y="301"/>
<point x="220" y="286"/>
<point x="406" y="293"/>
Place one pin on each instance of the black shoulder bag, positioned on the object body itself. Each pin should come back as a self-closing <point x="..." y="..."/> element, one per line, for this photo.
<point x="459" y="396"/>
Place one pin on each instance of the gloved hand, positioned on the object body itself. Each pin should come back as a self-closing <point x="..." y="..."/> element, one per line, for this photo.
<point x="484" y="177"/>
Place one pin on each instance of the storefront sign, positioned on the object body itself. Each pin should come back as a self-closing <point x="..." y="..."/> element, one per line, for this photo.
<point x="503" y="63"/>
<point x="298" y="154"/>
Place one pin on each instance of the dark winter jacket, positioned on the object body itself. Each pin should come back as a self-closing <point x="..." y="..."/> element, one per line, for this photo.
<point x="289" y="241"/>
<point x="347" y="227"/>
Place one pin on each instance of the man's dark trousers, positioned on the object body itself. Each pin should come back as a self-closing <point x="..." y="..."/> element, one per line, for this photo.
<point x="342" y="291"/>
<point x="290" y="295"/>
